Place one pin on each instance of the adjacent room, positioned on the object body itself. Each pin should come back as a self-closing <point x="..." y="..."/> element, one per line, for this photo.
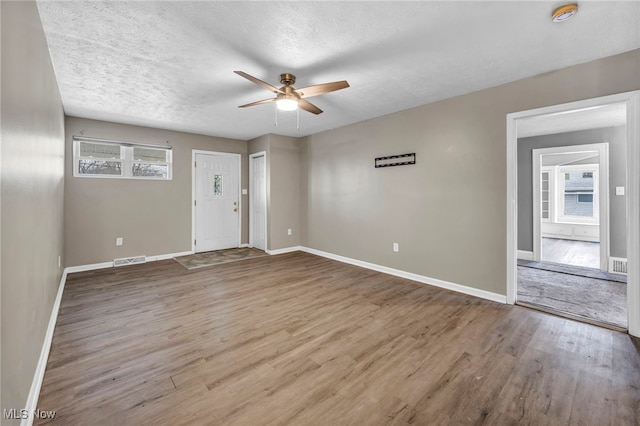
<point x="312" y="212"/>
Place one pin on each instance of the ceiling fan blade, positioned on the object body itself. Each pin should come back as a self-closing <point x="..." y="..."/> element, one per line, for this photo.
<point x="259" y="82"/>
<point x="308" y="106"/>
<point x="264" y="101"/>
<point x="319" y="89"/>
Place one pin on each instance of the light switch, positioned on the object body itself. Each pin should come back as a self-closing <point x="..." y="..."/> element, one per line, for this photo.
<point x="244" y="191"/>
<point x="619" y="190"/>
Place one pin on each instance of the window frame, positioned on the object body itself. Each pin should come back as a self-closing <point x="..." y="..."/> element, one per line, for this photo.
<point x="126" y="159"/>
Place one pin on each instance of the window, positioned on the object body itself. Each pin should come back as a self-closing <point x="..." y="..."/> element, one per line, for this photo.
<point x="578" y="194"/>
<point x="585" y="198"/>
<point x="111" y="159"/>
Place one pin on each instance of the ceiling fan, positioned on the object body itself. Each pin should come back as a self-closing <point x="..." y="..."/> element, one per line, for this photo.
<point x="289" y="98"/>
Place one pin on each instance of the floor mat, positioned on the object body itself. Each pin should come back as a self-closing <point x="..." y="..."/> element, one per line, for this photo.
<point x="218" y="257"/>
<point x="599" y="300"/>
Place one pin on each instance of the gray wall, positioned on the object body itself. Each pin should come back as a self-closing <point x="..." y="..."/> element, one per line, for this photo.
<point x="617" y="138"/>
<point x="153" y="217"/>
<point x="283" y="188"/>
<point x="32" y="197"/>
<point x="447" y="212"/>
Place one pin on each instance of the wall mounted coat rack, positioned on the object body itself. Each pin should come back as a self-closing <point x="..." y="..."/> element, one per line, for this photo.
<point x="395" y="160"/>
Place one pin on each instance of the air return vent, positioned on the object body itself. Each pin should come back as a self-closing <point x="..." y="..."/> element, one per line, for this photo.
<point x="129" y="260"/>
<point x="617" y="265"/>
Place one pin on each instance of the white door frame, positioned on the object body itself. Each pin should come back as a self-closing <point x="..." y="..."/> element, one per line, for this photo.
<point x="603" y="195"/>
<point x="194" y="152"/>
<point x="252" y="157"/>
<point x="632" y="101"/>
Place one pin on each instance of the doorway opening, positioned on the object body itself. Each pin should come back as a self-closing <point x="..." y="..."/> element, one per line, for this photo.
<point x="576" y="221"/>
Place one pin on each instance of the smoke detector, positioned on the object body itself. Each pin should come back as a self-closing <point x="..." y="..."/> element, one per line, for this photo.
<point x="565" y="12"/>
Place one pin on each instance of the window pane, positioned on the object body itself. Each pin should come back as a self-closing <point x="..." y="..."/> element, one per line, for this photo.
<point x="100" y="150"/>
<point x="99" y="167"/>
<point x="578" y="194"/>
<point x="217" y="185"/>
<point x="150" y="154"/>
<point x="152" y="170"/>
<point x="585" y="198"/>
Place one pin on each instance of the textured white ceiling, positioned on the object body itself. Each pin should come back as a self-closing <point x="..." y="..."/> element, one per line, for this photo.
<point x="170" y="64"/>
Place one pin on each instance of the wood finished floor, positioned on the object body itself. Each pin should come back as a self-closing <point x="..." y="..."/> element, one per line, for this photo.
<point x="300" y="339"/>
<point x="568" y="252"/>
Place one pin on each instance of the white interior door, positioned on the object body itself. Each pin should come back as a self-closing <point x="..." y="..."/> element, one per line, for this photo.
<point x="216" y="201"/>
<point x="258" y="205"/>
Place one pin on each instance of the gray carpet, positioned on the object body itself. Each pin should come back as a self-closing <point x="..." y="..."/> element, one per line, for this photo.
<point x="580" y="271"/>
<point x="599" y="300"/>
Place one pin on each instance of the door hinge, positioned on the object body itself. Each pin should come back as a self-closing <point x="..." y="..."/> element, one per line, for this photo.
<point x="195" y="164"/>
<point x="194" y="202"/>
<point x="194" y="242"/>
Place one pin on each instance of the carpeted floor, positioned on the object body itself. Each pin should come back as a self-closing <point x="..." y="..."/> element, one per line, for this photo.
<point x="573" y="270"/>
<point x="595" y="299"/>
<point x="211" y="258"/>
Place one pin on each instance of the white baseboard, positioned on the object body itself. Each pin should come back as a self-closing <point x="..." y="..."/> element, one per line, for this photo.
<point x="244" y="245"/>
<point x="103" y="265"/>
<point x="90" y="267"/>
<point x="284" y="250"/>
<point x="36" y="384"/>
<point x="483" y="294"/>
<point x="525" y="255"/>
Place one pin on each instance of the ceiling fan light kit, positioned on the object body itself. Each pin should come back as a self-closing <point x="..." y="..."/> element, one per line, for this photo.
<point x="290" y="99"/>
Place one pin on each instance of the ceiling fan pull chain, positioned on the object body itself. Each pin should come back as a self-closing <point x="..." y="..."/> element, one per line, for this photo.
<point x="298" y="119"/>
<point x="276" y="115"/>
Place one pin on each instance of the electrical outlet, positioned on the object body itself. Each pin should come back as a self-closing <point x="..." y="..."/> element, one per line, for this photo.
<point x="119" y="241"/>
<point x="396" y="247"/>
<point x="289" y="231"/>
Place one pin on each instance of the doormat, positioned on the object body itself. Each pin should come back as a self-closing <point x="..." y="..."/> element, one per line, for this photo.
<point x="573" y="270"/>
<point x="218" y="257"/>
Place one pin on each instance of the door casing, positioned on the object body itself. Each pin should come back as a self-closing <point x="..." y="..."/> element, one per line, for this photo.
<point x="252" y="190"/>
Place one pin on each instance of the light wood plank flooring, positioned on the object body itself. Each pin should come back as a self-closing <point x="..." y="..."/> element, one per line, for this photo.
<point x="299" y="339"/>
<point x="568" y="252"/>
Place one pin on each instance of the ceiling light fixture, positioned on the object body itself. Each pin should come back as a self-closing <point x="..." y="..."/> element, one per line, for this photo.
<point x="287" y="102"/>
<point x="564" y="13"/>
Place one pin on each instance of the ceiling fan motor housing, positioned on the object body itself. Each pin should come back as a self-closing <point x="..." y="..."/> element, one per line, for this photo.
<point x="287" y="79"/>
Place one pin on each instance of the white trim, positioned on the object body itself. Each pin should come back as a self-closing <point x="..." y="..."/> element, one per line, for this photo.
<point x="89" y="267"/>
<point x="632" y="100"/>
<point x="601" y="197"/>
<point x="284" y="250"/>
<point x="411" y="276"/>
<point x="104" y="265"/>
<point x="633" y="212"/>
<point x="525" y="255"/>
<point x="38" y="376"/>
<point x="194" y="152"/>
<point x="244" y="245"/>
<point x="251" y="189"/>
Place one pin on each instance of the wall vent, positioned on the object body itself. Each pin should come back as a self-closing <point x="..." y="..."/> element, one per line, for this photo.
<point x="618" y="265"/>
<point x="129" y="260"/>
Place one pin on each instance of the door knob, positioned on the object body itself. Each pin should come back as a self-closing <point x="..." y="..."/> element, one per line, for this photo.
<point x="235" y="210"/>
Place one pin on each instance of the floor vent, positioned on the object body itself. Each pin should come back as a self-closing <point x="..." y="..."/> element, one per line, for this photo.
<point x="129" y="260"/>
<point x="617" y="265"/>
